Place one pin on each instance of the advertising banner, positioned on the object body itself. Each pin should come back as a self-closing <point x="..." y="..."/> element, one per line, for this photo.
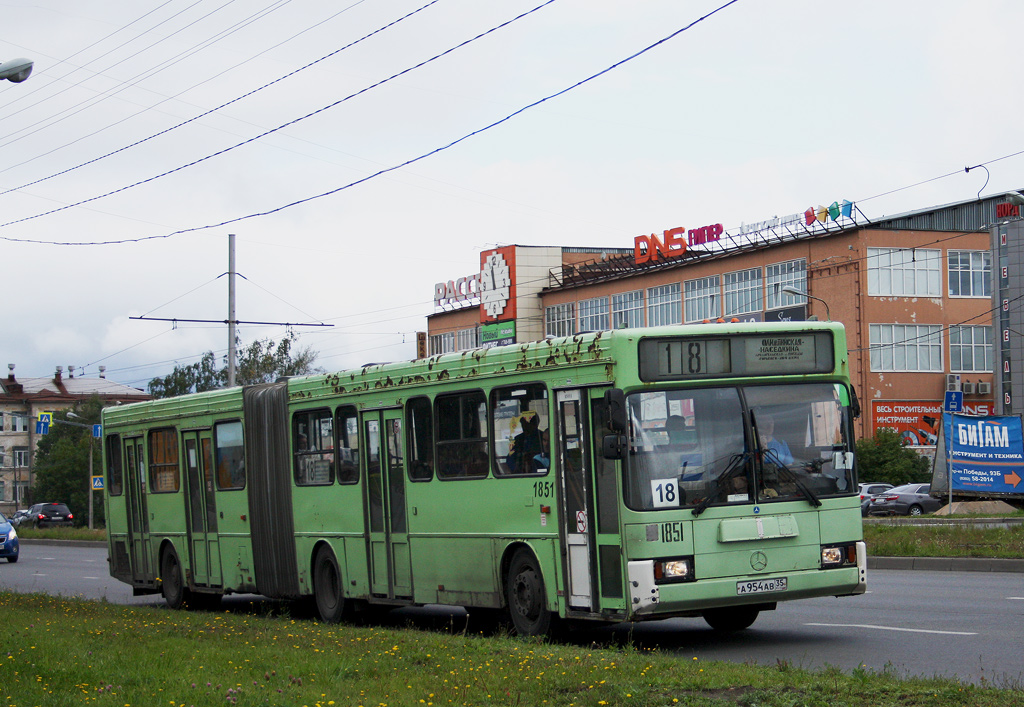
<point x="498" y="334"/>
<point x="917" y="421"/>
<point x="984" y="454"/>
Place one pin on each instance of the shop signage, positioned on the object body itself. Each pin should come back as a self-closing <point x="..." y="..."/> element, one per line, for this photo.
<point x="457" y="291"/>
<point x="1006" y="209"/>
<point x="497" y="334"/>
<point x="823" y="213"/>
<point x="672" y="244"/>
<point x="796" y="313"/>
<point x="917" y="421"/>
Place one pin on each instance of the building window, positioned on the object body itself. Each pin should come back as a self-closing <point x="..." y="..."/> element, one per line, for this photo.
<point x="560" y="320"/>
<point x="792" y="273"/>
<point x="906" y="347"/>
<point x="904" y="272"/>
<point x="21" y="456"/>
<point x="970" y="349"/>
<point x="628" y="310"/>
<point x="970" y="273"/>
<point x="665" y="305"/>
<point x="442" y="343"/>
<point x="3" y="416"/>
<point x="466" y="339"/>
<point x="18" y="423"/>
<point x="742" y="292"/>
<point x="701" y="299"/>
<point x="594" y="314"/>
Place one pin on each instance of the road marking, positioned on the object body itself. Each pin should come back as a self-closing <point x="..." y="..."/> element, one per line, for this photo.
<point x="90" y="577"/>
<point x="893" y="628"/>
<point x="1016" y="598"/>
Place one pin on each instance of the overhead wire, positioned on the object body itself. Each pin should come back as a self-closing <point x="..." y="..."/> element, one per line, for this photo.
<point x="370" y="176"/>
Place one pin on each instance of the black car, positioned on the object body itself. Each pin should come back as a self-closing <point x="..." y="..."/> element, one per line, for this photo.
<point x="49" y="515"/>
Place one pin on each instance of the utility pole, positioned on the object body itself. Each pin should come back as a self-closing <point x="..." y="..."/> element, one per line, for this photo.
<point x="231" y="310"/>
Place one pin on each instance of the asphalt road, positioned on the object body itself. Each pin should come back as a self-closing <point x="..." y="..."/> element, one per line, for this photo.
<point x="967" y="625"/>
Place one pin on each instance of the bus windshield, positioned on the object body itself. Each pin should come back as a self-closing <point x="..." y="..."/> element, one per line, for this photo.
<point x="736" y="445"/>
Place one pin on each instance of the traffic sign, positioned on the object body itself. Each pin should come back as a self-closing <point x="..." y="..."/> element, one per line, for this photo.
<point x="97" y="430"/>
<point x="97" y="483"/>
<point x="954" y="401"/>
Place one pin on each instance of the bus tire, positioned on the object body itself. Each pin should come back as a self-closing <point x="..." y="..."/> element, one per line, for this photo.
<point x="526" y="597"/>
<point x="172" y="584"/>
<point x="330" y="602"/>
<point x="734" y="618"/>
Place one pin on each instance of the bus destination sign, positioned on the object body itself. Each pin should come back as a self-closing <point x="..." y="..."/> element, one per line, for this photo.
<point x="783" y="353"/>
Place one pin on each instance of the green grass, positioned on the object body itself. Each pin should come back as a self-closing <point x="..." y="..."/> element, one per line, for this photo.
<point x="62" y="534"/>
<point x="63" y="652"/>
<point x="944" y="541"/>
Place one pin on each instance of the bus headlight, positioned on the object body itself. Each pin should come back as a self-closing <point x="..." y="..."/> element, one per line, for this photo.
<point x="844" y="555"/>
<point x="677" y="569"/>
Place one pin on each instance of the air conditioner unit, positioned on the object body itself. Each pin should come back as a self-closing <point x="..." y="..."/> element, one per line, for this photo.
<point x="952" y="381"/>
<point x="967" y="387"/>
<point x="984" y="388"/>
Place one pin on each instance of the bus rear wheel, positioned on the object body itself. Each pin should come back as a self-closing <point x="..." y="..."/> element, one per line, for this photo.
<point x="172" y="584"/>
<point x="734" y="618"/>
<point x="526" y="597"/>
<point x="330" y="603"/>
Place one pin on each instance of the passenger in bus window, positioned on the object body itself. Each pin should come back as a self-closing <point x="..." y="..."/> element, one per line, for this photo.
<point x="542" y="460"/>
<point x="525" y="445"/>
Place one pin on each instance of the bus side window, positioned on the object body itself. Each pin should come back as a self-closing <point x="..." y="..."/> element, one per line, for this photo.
<point x="114" y="474"/>
<point x="520" y="418"/>
<point x="313" y="447"/>
<point x="420" y="426"/>
<point x="230" y="455"/>
<point x="461" y="421"/>
<point x="163" y="461"/>
<point x="347" y="426"/>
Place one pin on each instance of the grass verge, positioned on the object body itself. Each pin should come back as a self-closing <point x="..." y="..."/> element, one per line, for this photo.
<point x="944" y="541"/>
<point x="131" y="656"/>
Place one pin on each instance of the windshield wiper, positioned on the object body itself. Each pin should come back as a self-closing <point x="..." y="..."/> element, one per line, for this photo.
<point x="738" y="461"/>
<point x="771" y="457"/>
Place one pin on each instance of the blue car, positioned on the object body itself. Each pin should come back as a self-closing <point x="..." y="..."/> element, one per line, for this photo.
<point x="9" y="545"/>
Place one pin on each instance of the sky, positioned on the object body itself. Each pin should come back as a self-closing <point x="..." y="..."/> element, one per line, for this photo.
<point x="362" y="151"/>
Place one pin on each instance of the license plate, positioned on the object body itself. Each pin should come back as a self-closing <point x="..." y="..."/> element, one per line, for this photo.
<point x="760" y="586"/>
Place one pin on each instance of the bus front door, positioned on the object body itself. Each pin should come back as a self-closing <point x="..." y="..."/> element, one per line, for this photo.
<point x="203" y="546"/>
<point x="138" y="516"/>
<point x="589" y="501"/>
<point x="390" y="563"/>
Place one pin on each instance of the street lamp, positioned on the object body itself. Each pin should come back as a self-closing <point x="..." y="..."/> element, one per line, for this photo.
<point x="790" y="290"/>
<point x="16" y="70"/>
<point x="79" y="424"/>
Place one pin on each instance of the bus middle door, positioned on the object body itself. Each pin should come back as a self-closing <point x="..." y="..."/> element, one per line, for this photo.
<point x="203" y="546"/>
<point x="138" y="515"/>
<point x="589" y="503"/>
<point x="390" y="562"/>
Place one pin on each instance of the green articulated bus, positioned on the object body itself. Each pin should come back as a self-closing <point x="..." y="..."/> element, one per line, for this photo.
<point x="697" y="471"/>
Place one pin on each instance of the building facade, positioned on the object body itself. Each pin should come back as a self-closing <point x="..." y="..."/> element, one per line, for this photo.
<point x="21" y="402"/>
<point x="917" y="293"/>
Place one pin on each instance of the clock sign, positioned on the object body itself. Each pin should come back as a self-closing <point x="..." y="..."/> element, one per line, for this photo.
<point x="494" y="285"/>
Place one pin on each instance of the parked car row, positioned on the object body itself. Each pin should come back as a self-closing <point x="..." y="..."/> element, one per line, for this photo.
<point x="44" y="515"/>
<point x="906" y="500"/>
<point x="9" y="544"/>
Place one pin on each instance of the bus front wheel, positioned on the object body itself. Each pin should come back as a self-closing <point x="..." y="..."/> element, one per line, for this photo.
<point x="734" y="618"/>
<point x="172" y="584"/>
<point x="526" y="597"/>
<point x="330" y="603"/>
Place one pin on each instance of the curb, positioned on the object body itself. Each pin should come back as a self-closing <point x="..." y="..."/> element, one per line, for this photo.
<point x="947" y="564"/>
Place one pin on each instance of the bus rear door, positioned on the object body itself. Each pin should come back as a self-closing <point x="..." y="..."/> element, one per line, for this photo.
<point x="204" y="553"/>
<point x="589" y="505"/>
<point x="390" y="562"/>
<point x="138" y="515"/>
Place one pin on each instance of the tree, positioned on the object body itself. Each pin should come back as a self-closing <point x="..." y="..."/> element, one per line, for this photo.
<point x="262" y="361"/>
<point x="62" y="462"/>
<point x="884" y="458"/>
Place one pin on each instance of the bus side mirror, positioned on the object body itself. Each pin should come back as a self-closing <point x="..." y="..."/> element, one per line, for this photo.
<point x="615" y="403"/>
<point x="614" y="446"/>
